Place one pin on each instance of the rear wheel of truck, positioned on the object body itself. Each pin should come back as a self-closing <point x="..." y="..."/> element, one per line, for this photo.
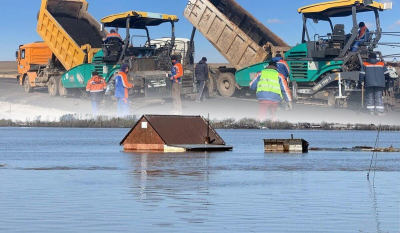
<point x="27" y="86"/>
<point x="52" y="86"/>
<point x="226" y="84"/>
<point x="62" y="90"/>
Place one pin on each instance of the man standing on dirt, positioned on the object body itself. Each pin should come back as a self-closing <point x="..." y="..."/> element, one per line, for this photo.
<point x="121" y="91"/>
<point x="201" y="77"/>
<point x="372" y="76"/>
<point x="96" y="87"/>
<point x="271" y="89"/>
<point x="175" y="77"/>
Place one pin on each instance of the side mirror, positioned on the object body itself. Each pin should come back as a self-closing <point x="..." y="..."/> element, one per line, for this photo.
<point x="16" y="54"/>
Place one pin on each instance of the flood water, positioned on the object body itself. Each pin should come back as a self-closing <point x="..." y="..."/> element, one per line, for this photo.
<point x="79" y="180"/>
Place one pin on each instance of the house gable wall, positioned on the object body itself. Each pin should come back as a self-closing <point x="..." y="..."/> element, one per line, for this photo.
<point x="143" y="138"/>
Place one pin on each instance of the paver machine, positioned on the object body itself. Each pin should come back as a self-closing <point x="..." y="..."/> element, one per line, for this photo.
<point x="150" y="61"/>
<point x="323" y="67"/>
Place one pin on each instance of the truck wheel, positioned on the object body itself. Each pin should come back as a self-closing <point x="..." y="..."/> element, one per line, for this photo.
<point x="226" y="84"/>
<point x="27" y="85"/>
<point x="62" y="90"/>
<point x="52" y="86"/>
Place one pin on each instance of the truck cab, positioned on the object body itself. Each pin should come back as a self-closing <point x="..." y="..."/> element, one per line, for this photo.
<point x="30" y="58"/>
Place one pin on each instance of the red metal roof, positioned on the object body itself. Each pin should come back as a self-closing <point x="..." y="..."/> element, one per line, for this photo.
<point x="181" y="129"/>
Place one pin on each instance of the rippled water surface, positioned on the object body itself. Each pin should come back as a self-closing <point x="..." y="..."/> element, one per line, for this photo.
<point x="79" y="180"/>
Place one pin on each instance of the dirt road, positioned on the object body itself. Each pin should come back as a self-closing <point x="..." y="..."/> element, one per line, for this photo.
<point x="40" y="103"/>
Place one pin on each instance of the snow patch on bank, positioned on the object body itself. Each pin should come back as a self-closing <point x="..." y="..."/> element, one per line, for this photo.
<point x="20" y="112"/>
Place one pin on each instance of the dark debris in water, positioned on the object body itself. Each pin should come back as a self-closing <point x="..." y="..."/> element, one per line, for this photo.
<point x="60" y="168"/>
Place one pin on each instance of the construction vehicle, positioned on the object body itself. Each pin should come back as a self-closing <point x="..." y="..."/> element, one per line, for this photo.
<point x="150" y="62"/>
<point x="322" y="66"/>
<point x="31" y="58"/>
<point x="236" y="34"/>
<point x="75" y="39"/>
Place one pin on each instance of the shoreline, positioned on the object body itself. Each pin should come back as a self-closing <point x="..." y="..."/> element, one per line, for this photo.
<point x="103" y="122"/>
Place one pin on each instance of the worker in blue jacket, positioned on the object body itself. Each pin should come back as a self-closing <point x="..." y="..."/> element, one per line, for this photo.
<point x="373" y="76"/>
<point x="281" y="66"/>
<point x="121" y="91"/>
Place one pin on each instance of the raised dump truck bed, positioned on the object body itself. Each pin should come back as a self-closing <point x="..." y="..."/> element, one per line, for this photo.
<point x="71" y="33"/>
<point x="235" y="33"/>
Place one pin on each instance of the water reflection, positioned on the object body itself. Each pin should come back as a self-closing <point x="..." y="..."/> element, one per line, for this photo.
<point x="179" y="181"/>
<point x="170" y="174"/>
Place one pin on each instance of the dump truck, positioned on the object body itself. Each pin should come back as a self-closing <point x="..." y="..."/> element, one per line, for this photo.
<point x="323" y="67"/>
<point x="75" y="40"/>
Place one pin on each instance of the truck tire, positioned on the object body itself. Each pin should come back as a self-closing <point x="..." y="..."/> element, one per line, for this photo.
<point x="226" y="84"/>
<point x="62" y="90"/>
<point x="52" y="86"/>
<point x="27" y="86"/>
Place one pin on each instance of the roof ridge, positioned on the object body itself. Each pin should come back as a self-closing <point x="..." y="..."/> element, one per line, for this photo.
<point x="156" y="115"/>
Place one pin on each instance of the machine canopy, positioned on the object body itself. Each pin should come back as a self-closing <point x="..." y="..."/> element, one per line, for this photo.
<point x="341" y="8"/>
<point x="138" y="20"/>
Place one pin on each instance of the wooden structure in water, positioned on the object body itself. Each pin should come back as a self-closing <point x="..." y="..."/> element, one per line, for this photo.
<point x="286" y="145"/>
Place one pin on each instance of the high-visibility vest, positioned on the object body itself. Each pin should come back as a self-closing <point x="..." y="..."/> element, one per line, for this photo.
<point x="269" y="81"/>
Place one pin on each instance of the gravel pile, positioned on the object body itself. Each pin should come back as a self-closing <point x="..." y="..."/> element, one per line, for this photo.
<point x="81" y="31"/>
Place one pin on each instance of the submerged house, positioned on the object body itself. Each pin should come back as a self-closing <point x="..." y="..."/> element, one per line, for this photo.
<point x="173" y="134"/>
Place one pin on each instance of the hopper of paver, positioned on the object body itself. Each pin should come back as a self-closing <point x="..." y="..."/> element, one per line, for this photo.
<point x="71" y="33"/>
<point x="234" y="32"/>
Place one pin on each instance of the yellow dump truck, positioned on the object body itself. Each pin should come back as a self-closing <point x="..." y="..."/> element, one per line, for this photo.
<point x="76" y="41"/>
<point x="71" y="38"/>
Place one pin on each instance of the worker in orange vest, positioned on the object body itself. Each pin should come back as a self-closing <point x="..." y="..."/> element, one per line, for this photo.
<point x="121" y="91"/>
<point x="175" y="77"/>
<point x="113" y="34"/>
<point x="373" y="77"/>
<point x="96" y="87"/>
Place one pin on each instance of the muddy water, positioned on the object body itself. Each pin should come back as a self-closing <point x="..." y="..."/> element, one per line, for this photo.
<point x="78" y="180"/>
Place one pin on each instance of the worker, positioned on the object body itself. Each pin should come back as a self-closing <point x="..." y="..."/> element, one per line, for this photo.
<point x="363" y="35"/>
<point x="96" y="87"/>
<point x="201" y="72"/>
<point x="111" y="35"/>
<point x="372" y="77"/>
<point x="175" y="77"/>
<point x="121" y="91"/>
<point x="283" y="68"/>
<point x="271" y="89"/>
